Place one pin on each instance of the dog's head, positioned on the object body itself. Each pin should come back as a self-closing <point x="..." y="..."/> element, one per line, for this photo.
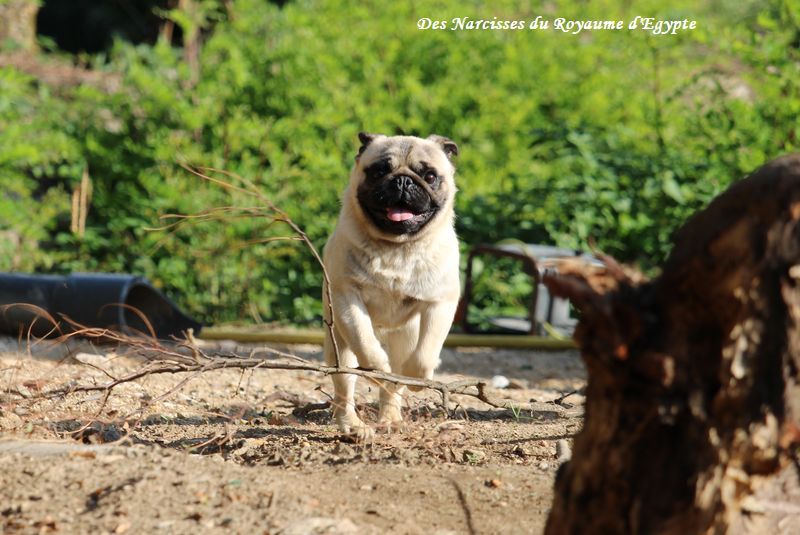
<point x="404" y="184"/>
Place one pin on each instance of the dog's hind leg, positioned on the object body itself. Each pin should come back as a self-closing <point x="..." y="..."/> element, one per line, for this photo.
<point x="400" y="344"/>
<point x="435" y="322"/>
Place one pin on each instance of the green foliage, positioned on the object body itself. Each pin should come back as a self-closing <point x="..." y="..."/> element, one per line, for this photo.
<point x="605" y="137"/>
<point x="500" y="288"/>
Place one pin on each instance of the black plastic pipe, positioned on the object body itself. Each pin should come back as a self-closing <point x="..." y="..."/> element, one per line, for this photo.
<point x="90" y="299"/>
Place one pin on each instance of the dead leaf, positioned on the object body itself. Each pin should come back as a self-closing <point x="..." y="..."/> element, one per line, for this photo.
<point x="84" y="454"/>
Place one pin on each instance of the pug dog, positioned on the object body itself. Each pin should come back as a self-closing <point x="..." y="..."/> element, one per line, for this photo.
<point x="393" y="269"/>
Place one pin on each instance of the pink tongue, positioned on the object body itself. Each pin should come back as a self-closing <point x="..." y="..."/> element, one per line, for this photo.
<point x="398" y="214"/>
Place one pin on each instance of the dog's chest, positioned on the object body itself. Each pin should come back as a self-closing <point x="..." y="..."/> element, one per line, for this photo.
<point x="389" y="311"/>
<point x="397" y="277"/>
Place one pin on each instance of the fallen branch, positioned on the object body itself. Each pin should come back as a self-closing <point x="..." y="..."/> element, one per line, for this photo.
<point x="187" y="357"/>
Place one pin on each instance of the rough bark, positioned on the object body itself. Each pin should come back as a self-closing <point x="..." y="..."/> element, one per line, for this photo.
<point x="693" y="400"/>
<point x="18" y="23"/>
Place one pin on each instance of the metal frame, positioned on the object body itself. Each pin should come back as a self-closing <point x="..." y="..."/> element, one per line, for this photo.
<point x="529" y="255"/>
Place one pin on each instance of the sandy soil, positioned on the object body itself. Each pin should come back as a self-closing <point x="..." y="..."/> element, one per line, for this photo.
<point x="234" y="452"/>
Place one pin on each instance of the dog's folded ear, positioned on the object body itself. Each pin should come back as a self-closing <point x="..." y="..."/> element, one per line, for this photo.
<point x="448" y="145"/>
<point x="365" y="139"/>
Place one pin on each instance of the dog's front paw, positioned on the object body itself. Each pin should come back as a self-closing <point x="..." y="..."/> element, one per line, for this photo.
<point x="359" y="433"/>
<point x="390" y="418"/>
<point x="355" y="428"/>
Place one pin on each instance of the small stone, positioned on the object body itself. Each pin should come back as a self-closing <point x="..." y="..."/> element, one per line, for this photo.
<point x="544" y="465"/>
<point x="473" y="456"/>
<point x="500" y="381"/>
<point x="450" y="425"/>
<point x="494" y="483"/>
<point x="574" y="400"/>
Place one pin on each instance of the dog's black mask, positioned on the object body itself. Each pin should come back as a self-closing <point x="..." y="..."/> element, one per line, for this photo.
<point x="401" y="201"/>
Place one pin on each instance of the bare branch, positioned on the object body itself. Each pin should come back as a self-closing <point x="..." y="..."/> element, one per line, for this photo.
<point x="187" y="357"/>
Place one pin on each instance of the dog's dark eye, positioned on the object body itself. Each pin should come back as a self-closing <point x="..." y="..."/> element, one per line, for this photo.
<point x="430" y="177"/>
<point x="379" y="169"/>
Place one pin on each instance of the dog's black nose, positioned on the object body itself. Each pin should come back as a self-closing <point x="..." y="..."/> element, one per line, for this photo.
<point x="402" y="182"/>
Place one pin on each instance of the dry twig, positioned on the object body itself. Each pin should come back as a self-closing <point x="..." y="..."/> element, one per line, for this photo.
<point x="185" y="356"/>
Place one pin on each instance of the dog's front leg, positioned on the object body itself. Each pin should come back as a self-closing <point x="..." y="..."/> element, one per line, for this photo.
<point x="355" y="326"/>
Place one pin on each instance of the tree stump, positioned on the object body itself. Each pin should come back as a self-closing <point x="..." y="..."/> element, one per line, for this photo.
<point x="692" y="420"/>
<point x="18" y="23"/>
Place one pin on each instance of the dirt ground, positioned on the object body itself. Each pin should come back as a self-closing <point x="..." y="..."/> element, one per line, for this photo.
<point x="255" y="452"/>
